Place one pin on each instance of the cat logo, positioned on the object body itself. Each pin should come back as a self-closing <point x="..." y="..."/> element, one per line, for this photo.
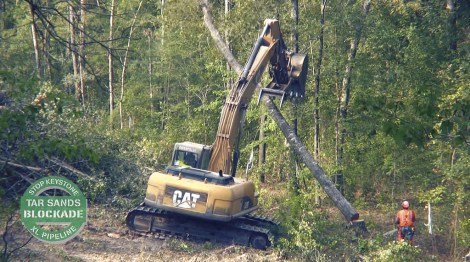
<point x="185" y="199"/>
<point x="181" y="198"/>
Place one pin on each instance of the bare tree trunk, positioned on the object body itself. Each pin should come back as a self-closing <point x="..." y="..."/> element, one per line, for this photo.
<point x="47" y="49"/>
<point x="161" y="13"/>
<point x="110" y="62"/>
<point x="295" y="17"/>
<point x="166" y="83"/>
<point x="73" y="51"/>
<point x="149" y="35"/>
<point x="452" y="24"/>
<point x="124" y="64"/>
<point x="343" y="205"/>
<point x="262" y="147"/>
<point x="35" y="40"/>
<point x="295" y="42"/>
<point x="229" y="82"/>
<point x="346" y="90"/>
<point x="82" y="56"/>
<point x="317" y="82"/>
<point x="455" y="211"/>
<point x="223" y="48"/>
<point x="47" y="54"/>
<point x="317" y="91"/>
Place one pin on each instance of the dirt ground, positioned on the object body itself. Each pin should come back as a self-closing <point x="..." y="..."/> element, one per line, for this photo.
<point x="106" y="238"/>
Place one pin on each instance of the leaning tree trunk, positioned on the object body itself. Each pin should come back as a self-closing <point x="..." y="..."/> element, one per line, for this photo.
<point x="338" y="199"/>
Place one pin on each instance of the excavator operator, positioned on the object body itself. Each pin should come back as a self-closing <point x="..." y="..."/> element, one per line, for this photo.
<point x="188" y="161"/>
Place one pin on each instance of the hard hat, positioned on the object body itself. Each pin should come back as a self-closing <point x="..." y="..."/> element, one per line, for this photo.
<point x="405" y="204"/>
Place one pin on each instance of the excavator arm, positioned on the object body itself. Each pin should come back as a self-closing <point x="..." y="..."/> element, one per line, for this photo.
<point x="288" y="71"/>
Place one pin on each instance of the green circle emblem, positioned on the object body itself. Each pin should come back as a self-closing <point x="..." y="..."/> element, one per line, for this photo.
<point x="53" y="219"/>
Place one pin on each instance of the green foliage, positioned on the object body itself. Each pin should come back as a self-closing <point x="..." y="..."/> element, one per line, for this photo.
<point x="399" y="252"/>
<point x="302" y="238"/>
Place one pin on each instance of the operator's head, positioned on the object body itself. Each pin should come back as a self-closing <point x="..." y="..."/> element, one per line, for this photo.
<point x="405" y="204"/>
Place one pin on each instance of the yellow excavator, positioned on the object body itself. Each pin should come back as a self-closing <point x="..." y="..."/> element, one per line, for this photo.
<point x="198" y="195"/>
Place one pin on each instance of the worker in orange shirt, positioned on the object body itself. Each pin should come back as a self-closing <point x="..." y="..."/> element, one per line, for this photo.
<point x="405" y="221"/>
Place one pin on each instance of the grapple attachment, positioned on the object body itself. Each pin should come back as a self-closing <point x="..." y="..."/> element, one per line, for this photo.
<point x="289" y="84"/>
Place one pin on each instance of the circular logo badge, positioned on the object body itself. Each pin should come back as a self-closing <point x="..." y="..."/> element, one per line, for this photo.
<point x="53" y="219"/>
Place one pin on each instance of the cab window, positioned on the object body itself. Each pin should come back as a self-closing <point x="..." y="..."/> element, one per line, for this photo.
<point x="185" y="159"/>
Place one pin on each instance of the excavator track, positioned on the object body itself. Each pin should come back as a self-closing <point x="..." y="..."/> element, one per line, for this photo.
<point x="249" y="230"/>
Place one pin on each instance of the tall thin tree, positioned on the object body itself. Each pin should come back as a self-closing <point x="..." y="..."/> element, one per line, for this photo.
<point x="124" y="65"/>
<point x="74" y="51"/>
<point x="82" y="50"/>
<point x="34" y="34"/>
<point x="110" y="61"/>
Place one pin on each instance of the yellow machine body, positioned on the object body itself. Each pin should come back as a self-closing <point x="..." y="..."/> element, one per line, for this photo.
<point x="201" y="193"/>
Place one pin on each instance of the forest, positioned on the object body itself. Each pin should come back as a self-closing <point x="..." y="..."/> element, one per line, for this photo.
<point x="100" y="91"/>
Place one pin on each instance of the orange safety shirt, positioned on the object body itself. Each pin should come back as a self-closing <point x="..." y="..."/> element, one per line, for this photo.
<point x="406" y="218"/>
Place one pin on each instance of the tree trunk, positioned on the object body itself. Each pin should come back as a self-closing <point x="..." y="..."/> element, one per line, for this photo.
<point x="166" y="83"/>
<point x="295" y="43"/>
<point x="343" y="205"/>
<point x="317" y="82"/>
<point x="346" y="90"/>
<point x="223" y="48"/>
<point x="124" y="65"/>
<point x="73" y="52"/>
<point x="229" y="82"/>
<point x="317" y="92"/>
<point x="295" y="17"/>
<point x="262" y="147"/>
<point x="47" y="48"/>
<point x="149" y="35"/>
<point x="452" y="25"/>
<point x="82" y="56"/>
<point x="110" y="62"/>
<point x="35" y="40"/>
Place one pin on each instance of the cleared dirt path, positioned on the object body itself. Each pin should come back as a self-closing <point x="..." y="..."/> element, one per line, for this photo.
<point x="105" y="238"/>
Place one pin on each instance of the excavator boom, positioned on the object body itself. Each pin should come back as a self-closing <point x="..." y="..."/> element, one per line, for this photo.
<point x="288" y="72"/>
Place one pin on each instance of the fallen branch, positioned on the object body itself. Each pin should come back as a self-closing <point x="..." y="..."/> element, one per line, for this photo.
<point x="8" y="162"/>
<point x="70" y="168"/>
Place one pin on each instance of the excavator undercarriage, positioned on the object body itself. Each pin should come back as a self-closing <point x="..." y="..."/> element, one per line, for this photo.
<point x="256" y="231"/>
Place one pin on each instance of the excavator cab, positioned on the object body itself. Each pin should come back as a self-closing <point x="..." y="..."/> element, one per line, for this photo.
<point x="185" y="159"/>
<point x="189" y="154"/>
